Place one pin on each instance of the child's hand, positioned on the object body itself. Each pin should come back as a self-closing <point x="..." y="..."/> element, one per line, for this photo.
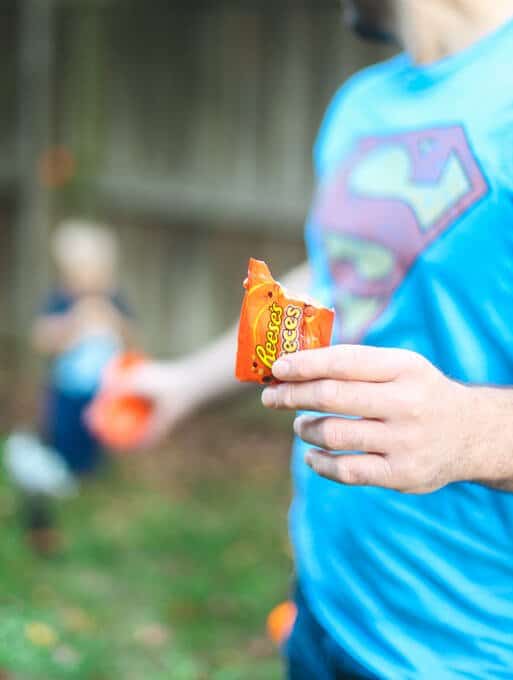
<point x="90" y="315"/>
<point x="93" y="311"/>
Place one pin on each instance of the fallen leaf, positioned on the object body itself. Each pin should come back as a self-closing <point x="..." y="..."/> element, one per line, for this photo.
<point x="40" y="634"/>
<point x="152" y="635"/>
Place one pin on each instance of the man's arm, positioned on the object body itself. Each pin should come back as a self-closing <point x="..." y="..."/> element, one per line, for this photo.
<point x="180" y="387"/>
<point x="418" y="429"/>
<point x="497" y="464"/>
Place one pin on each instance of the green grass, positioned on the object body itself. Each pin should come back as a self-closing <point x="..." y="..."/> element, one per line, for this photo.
<point x="166" y="578"/>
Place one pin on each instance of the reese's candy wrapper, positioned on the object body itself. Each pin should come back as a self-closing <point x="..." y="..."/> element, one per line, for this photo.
<point x="272" y="325"/>
<point x="120" y="422"/>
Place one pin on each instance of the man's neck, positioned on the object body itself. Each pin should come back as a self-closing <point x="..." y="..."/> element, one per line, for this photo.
<point x="433" y="30"/>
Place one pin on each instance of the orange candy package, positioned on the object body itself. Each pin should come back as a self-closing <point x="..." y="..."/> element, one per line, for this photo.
<point x="273" y="325"/>
<point x="120" y="422"/>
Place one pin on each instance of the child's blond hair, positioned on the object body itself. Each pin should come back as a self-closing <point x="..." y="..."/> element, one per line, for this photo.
<point x="86" y="253"/>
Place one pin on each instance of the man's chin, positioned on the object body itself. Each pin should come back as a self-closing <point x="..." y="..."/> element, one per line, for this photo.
<point x="371" y="33"/>
<point x="364" y="29"/>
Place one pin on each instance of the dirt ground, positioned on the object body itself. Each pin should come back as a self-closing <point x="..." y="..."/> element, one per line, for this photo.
<point x="171" y="561"/>
<point x="236" y="439"/>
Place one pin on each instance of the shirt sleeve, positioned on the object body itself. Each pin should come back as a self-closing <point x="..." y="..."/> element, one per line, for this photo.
<point x="121" y="304"/>
<point x="56" y="303"/>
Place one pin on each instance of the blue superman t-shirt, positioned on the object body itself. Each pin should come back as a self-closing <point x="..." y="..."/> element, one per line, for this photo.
<point x="411" y="239"/>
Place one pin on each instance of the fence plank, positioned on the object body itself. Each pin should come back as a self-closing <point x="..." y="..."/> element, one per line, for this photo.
<point x="35" y="85"/>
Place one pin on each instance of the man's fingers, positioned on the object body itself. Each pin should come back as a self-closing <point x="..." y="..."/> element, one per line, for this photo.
<point x="366" y="400"/>
<point x="355" y="470"/>
<point x="343" y="362"/>
<point x="157" y="431"/>
<point x="342" y="434"/>
<point x="159" y="427"/>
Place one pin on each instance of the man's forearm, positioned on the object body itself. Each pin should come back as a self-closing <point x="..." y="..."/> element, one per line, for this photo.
<point x="494" y="409"/>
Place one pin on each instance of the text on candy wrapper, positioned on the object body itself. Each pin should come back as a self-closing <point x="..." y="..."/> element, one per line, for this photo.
<point x="286" y="329"/>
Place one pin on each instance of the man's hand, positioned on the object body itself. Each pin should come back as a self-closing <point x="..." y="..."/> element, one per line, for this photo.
<point x="171" y="388"/>
<point x="418" y="429"/>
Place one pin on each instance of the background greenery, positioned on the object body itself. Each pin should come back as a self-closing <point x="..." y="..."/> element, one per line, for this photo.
<point x="170" y="565"/>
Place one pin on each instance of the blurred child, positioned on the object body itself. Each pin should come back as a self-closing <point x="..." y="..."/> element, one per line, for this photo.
<point x="82" y="325"/>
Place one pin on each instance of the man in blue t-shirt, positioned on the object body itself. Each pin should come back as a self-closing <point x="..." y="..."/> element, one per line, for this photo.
<point x="404" y="552"/>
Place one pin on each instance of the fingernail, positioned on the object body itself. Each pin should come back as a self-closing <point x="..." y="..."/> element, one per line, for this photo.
<point x="269" y="397"/>
<point x="309" y="458"/>
<point x="282" y="368"/>
<point x="297" y="425"/>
